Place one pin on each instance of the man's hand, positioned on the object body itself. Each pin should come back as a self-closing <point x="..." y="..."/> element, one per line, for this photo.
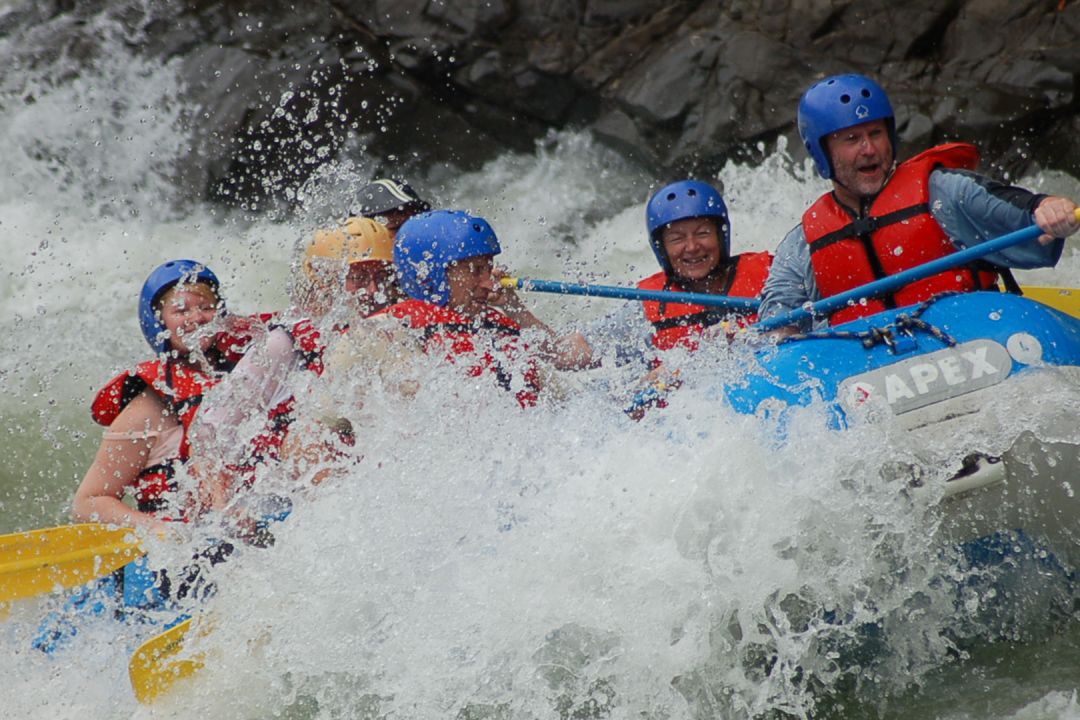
<point x="1057" y="217"/>
<point x="505" y="298"/>
<point x="782" y="333"/>
<point x="573" y="352"/>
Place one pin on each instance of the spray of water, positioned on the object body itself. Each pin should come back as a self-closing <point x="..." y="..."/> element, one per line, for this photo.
<point x="467" y="558"/>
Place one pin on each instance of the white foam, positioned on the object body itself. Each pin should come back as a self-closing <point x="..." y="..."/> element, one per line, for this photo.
<point x="685" y="566"/>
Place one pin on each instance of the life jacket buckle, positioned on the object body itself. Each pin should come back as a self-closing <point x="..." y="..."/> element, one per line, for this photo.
<point x="867" y="225"/>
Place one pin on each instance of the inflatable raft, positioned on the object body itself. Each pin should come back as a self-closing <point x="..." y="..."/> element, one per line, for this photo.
<point x="995" y="375"/>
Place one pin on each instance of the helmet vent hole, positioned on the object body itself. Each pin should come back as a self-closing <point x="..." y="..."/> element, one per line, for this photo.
<point x="865" y="93"/>
<point x="692" y="192"/>
<point x="845" y="98"/>
<point x="671" y="196"/>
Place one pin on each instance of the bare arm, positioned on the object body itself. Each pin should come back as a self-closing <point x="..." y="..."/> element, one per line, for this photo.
<point x="118" y="462"/>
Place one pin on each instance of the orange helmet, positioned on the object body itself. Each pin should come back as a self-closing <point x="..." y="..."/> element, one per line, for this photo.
<point x="360" y="239"/>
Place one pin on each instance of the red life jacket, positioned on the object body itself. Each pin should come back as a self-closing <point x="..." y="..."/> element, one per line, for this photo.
<point x="180" y="388"/>
<point x="230" y="347"/>
<point x="445" y="330"/>
<point x="897" y="233"/>
<point x="309" y="343"/>
<point x="679" y="324"/>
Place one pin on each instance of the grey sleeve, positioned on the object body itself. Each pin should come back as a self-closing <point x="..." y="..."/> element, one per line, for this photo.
<point x="791" y="283"/>
<point x="972" y="209"/>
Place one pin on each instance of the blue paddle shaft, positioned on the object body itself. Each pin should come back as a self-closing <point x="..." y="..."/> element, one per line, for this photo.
<point x="878" y="287"/>
<point x="625" y="293"/>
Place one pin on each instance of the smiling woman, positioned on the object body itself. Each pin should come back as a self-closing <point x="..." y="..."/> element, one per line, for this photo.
<point x="692" y="247"/>
<point x="690" y="236"/>
<point x="183" y="310"/>
<point x="148" y="411"/>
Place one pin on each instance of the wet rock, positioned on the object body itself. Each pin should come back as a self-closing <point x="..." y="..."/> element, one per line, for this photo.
<point x="679" y="85"/>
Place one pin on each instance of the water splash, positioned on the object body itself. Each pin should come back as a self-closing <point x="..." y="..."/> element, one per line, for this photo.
<point x="480" y="561"/>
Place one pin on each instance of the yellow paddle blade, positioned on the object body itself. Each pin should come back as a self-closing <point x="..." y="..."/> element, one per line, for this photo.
<point x="1067" y="300"/>
<point x="42" y="561"/>
<point x="155" y="667"/>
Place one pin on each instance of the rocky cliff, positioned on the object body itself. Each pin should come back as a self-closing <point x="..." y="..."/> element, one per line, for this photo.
<point x="678" y="85"/>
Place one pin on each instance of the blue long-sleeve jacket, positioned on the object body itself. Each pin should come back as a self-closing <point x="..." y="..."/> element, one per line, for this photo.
<point x="970" y="208"/>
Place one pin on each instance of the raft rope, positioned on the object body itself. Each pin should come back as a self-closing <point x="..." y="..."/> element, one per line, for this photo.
<point x="904" y="322"/>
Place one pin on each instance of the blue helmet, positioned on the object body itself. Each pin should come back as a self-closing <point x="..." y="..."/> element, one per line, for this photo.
<point x="428" y="243"/>
<point x="160" y="280"/>
<point x="839" y="102"/>
<point x="683" y="200"/>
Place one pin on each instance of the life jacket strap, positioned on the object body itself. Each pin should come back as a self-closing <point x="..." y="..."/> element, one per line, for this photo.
<point x="866" y="226"/>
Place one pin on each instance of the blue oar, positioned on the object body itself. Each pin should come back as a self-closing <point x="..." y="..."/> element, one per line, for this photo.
<point x="624" y="293"/>
<point x="892" y="282"/>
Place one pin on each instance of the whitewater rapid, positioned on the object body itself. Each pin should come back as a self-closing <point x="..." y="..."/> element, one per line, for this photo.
<point x="481" y="561"/>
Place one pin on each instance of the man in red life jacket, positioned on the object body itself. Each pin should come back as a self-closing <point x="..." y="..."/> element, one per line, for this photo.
<point x="249" y="415"/>
<point x="445" y="266"/>
<point x="882" y="218"/>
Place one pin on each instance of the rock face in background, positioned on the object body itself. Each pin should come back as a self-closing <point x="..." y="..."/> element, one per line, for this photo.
<point x="678" y="85"/>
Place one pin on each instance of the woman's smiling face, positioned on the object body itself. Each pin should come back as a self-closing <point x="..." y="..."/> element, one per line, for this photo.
<point x="186" y="308"/>
<point x="693" y="247"/>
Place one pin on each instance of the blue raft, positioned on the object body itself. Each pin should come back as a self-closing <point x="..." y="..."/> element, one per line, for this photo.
<point x="910" y="358"/>
<point x="937" y="370"/>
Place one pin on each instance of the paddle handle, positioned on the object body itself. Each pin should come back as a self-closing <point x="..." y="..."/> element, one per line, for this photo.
<point x="749" y="305"/>
<point x="625" y="293"/>
<point x="892" y="282"/>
